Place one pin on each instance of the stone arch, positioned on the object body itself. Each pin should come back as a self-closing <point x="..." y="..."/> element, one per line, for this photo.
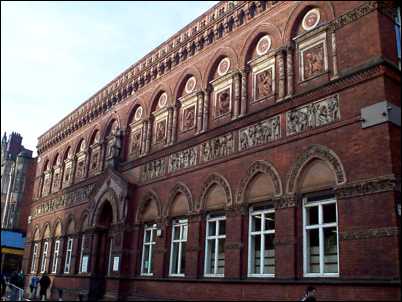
<point x="155" y="97"/>
<point x="66" y="152"/>
<point x="106" y="128"/>
<point x="178" y="189"/>
<point x="70" y="225"/>
<point x="213" y="182"/>
<point x="256" y="33"/>
<point x="36" y="235"/>
<point x="79" y="143"/>
<point x="57" y="228"/>
<point x="46" y="232"/>
<point x="55" y="158"/>
<point x="148" y="198"/>
<point x="315" y="152"/>
<point x="215" y="59"/>
<point x="298" y="12"/>
<point x="84" y="221"/>
<point x="109" y="196"/>
<point x="132" y="110"/>
<point x="186" y="74"/>
<point x="253" y="177"/>
<point x="46" y="165"/>
<point x="92" y="135"/>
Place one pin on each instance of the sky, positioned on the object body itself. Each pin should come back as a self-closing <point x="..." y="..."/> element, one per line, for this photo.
<point x="55" y="55"/>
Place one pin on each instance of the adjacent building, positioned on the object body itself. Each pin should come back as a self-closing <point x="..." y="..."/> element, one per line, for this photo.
<point x="254" y="153"/>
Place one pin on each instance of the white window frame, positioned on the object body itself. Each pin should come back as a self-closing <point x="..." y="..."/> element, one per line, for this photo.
<point x="183" y="232"/>
<point x="82" y="252"/>
<point x="109" y="264"/>
<point x="34" y="257"/>
<point x="151" y="243"/>
<point x="55" y="256"/>
<point x="44" y="256"/>
<point x="320" y="226"/>
<point x="216" y="237"/>
<point x="260" y="233"/>
<point x="69" y="252"/>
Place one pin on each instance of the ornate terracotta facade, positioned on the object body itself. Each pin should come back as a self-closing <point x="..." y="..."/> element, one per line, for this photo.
<point x="252" y="109"/>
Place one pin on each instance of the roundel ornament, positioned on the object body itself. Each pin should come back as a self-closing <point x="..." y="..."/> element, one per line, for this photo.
<point x="263" y="45"/>
<point x="138" y="114"/>
<point x="311" y="19"/>
<point x="190" y="85"/>
<point x="162" y="100"/>
<point x="223" y="66"/>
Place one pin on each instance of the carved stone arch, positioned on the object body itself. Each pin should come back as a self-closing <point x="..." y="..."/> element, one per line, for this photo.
<point x="46" y="231"/>
<point x="219" y="180"/>
<point x="162" y="87"/>
<point x="214" y="61"/>
<point x="55" y="158"/>
<point x="187" y="73"/>
<point x="46" y="164"/>
<point x="149" y="196"/>
<point x="297" y="14"/>
<point x="36" y="234"/>
<point x="315" y="152"/>
<point x="260" y="167"/>
<point x="84" y="220"/>
<point x="131" y="111"/>
<point x="109" y="196"/>
<point x="78" y="142"/>
<point x="257" y="32"/>
<point x="179" y="188"/>
<point x="66" y="151"/>
<point x="91" y="134"/>
<point x="113" y="117"/>
<point x="70" y="225"/>
<point x="58" y="222"/>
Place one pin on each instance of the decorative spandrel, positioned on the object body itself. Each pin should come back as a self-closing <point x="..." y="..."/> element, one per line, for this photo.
<point x="313" y="115"/>
<point x="260" y="133"/>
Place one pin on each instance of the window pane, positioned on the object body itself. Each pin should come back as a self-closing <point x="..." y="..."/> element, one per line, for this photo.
<point x="211" y="228"/>
<point x="210" y="256"/>
<point x="147" y="236"/>
<point x="312" y="215"/>
<point x="313" y="251"/>
<point x="256" y="223"/>
<point x="269" y="254"/>
<point x="183" y="258"/>
<point x="329" y="212"/>
<point x="146" y="262"/>
<point x="330" y="250"/>
<point x="269" y="221"/>
<point x="222" y="225"/>
<point x="175" y="258"/>
<point x="184" y="232"/>
<point x="221" y="256"/>
<point x="176" y="232"/>
<point x="255" y="254"/>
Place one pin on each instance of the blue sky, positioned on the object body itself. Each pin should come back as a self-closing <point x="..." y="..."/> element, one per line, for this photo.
<point x="55" y="55"/>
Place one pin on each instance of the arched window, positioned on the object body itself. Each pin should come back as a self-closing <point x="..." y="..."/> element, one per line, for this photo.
<point x="81" y="164"/>
<point x="57" y="171"/>
<point x="56" y="249"/>
<point x="45" y="250"/>
<point x="95" y="149"/>
<point x="136" y="133"/>
<point x="160" y="120"/>
<point x="47" y="178"/>
<point x="69" y="247"/>
<point x="68" y="168"/>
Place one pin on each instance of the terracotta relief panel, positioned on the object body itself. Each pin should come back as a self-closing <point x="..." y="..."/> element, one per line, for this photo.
<point x="153" y="169"/>
<point x="189" y="118"/>
<point x="313" y="115"/>
<point x="223" y="102"/>
<point x="182" y="160"/>
<point x="313" y="61"/>
<point x="218" y="147"/>
<point x="56" y="180"/>
<point x="135" y="143"/>
<point x="260" y="133"/>
<point x="160" y="131"/>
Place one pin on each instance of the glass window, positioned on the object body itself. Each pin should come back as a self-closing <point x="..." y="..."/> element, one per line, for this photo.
<point x="147" y="249"/>
<point x="261" y="256"/>
<point x="34" y="256"/>
<point x="69" y="252"/>
<point x="320" y="237"/>
<point x="398" y="33"/>
<point x="215" y="247"/>
<point x="178" y="248"/>
<point x="55" y="256"/>
<point x="82" y="254"/>
<point x="44" y="257"/>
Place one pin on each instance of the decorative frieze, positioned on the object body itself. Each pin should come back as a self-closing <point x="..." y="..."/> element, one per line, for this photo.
<point x="313" y="115"/>
<point x="260" y="133"/>
<point x="217" y="147"/>
<point x="370" y="233"/>
<point x="65" y="200"/>
<point x="153" y="169"/>
<point x="182" y="160"/>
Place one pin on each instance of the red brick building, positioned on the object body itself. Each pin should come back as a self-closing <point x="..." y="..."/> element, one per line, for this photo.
<point x="254" y="153"/>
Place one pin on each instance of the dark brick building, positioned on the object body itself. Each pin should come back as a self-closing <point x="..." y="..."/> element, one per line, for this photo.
<point x="252" y="154"/>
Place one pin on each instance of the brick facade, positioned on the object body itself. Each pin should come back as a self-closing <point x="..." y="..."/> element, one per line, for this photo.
<point x="260" y="106"/>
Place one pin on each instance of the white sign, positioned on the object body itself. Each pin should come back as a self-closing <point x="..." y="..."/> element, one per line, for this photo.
<point x="116" y="261"/>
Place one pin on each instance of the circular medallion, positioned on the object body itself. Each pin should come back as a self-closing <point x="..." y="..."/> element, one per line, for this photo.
<point x="263" y="45"/>
<point x="138" y="114"/>
<point x="162" y="100"/>
<point x="190" y="85"/>
<point x="311" y="19"/>
<point x="223" y="66"/>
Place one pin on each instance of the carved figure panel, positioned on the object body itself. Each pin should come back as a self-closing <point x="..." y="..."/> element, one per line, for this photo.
<point x="95" y="160"/>
<point x="313" y="115"/>
<point x="218" y="147"/>
<point x="153" y="169"/>
<point x="135" y="143"/>
<point x="80" y="170"/>
<point x="182" y="160"/>
<point x="260" y="133"/>
<point x="313" y="61"/>
<point x="223" y="102"/>
<point x="264" y="84"/>
<point x="67" y="173"/>
<point x="56" y="180"/>
<point x="160" y="131"/>
<point x="189" y="115"/>
<point x="46" y="184"/>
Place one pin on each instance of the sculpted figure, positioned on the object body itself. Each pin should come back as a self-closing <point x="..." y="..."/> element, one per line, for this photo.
<point x="223" y="103"/>
<point x="263" y="84"/>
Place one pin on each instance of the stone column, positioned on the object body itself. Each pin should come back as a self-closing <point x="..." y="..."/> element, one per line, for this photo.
<point x="236" y="83"/>
<point x="281" y="89"/>
<point x="200" y="104"/>
<point x="170" y="125"/>
<point x="244" y="93"/>
<point x="143" y="136"/>
<point x="148" y="136"/>
<point x="289" y="68"/>
<point x="205" y="116"/>
<point x="174" y="128"/>
<point x="334" y="58"/>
